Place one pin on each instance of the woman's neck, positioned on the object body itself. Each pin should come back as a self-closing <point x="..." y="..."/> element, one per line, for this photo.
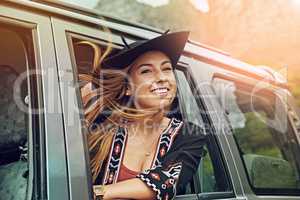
<point x="149" y="125"/>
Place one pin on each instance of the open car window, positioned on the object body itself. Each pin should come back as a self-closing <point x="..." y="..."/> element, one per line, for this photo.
<point x="267" y="144"/>
<point x="211" y="176"/>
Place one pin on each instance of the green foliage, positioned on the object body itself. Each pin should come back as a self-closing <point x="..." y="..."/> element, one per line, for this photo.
<point x="207" y="174"/>
<point x="255" y="137"/>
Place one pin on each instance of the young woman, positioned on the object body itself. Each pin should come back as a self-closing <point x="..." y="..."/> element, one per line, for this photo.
<point x="138" y="149"/>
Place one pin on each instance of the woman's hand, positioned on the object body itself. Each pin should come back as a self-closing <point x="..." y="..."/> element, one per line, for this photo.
<point x="99" y="191"/>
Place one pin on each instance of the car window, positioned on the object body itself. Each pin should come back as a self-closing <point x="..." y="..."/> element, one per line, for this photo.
<point x="15" y="58"/>
<point x="190" y="107"/>
<point x="266" y="142"/>
<point x="206" y="178"/>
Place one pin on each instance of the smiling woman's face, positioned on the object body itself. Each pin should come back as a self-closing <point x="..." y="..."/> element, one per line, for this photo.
<point x="153" y="81"/>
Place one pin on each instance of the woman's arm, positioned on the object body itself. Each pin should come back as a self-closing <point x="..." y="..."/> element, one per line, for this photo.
<point x="128" y="189"/>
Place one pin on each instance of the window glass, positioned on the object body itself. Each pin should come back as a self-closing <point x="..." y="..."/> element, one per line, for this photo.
<point x="205" y="178"/>
<point x="14" y="121"/>
<point x="266" y="142"/>
<point x="190" y="107"/>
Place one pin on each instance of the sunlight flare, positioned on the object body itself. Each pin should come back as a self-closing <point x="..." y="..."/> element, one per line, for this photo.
<point x="201" y="5"/>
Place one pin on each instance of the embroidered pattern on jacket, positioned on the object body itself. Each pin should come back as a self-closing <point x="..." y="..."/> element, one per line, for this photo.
<point x="166" y="140"/>
<point x="118" y="148"/>
<point x="115" y="156"/>
<point x="162" y="181"/>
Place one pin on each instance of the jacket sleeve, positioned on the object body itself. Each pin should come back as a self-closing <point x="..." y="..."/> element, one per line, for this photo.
<point x="176" y="170"/>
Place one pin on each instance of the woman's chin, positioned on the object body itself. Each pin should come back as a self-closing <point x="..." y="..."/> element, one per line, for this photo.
<point x="158" y="105"/>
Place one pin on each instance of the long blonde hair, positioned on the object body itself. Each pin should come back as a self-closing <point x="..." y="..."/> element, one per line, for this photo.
<point x="109" y="94"/>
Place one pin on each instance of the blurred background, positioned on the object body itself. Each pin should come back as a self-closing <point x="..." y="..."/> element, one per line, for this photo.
<point x="260" y="32"/>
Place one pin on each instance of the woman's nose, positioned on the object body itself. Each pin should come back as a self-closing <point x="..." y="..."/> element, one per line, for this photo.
<point x="160" y="76"/>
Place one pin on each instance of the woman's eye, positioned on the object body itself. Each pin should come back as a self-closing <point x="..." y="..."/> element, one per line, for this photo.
<point x="167" y="69"/>
<point x="144" y="71"/>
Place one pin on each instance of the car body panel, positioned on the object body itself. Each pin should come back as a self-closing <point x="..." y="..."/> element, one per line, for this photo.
<point x="57" y="185"/>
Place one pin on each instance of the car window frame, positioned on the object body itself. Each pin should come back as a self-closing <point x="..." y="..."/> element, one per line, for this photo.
<point x="77" y="152"/>
<point x="68" y="78"/>
<point x="78" y="36"/>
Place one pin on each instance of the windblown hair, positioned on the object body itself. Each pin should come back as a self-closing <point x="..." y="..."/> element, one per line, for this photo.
<point x="107" y="99"/>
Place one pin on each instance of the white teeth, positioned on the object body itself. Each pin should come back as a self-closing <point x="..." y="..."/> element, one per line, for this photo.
<point x="160" y="89"/>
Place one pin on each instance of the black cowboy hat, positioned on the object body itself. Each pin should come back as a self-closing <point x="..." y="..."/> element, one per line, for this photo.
<point x="172" y="44"/>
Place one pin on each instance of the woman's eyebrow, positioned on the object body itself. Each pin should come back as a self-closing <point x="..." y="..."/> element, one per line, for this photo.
<point x="150" y="65"/>
<point x="144" y="64"/>
<point x="165" y="62"/>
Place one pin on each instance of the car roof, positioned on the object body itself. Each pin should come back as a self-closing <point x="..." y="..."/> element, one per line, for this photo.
<point x="141" y="31"/>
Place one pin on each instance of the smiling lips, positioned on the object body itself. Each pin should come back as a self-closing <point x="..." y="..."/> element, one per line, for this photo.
<point x="160" y="91"/>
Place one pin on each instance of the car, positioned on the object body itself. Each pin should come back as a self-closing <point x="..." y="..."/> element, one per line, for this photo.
<point x="248" y="113"/>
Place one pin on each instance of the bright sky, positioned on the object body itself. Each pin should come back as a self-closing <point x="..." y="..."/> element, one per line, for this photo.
<point x="201" y="5"/>
<point x="154" y="3"/>
<point x="93" y="3"/>
<point x="84" y="3"/>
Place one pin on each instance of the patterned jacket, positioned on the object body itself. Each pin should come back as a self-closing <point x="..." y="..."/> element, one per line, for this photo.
<point x="176" y="160"/>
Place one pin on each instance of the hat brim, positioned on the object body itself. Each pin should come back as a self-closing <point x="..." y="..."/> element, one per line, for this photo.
<point x="171" y="44"/>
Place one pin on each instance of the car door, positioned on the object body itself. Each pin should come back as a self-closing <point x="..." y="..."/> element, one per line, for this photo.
<point x="33" y="165"/>
<point x="256" y="133"/>
<point x="67" y="34"/>
<point x="267" y="144"/>
<point x="213" y="179"/>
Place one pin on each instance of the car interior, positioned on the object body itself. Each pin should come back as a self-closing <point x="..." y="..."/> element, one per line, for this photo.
<point x="13" y="121"/>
